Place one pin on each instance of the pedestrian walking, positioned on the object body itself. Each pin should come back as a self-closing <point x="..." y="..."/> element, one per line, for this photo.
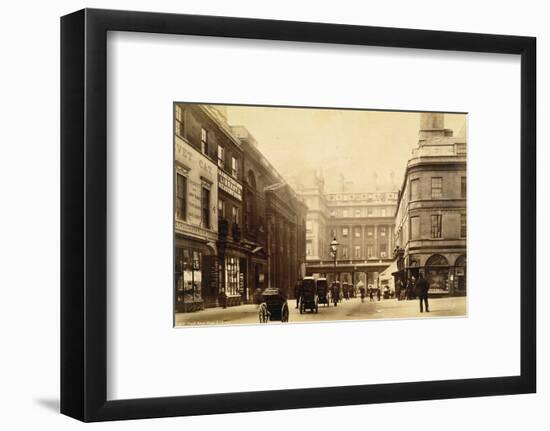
<point x="398" y="287"/>
<point x="422" y="287"/>
<point x="362" y="291"/>
<point x="335" y="294"/>
<point x="378" y="294"/>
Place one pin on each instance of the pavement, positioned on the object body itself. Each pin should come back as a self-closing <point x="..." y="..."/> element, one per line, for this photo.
<point x="352" y="309"/>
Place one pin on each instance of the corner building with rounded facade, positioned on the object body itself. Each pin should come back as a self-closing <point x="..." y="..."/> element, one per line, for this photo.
<point x="430" y="229"/>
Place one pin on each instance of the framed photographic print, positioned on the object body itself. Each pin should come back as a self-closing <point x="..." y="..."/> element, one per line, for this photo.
<point x="248" y="206"/>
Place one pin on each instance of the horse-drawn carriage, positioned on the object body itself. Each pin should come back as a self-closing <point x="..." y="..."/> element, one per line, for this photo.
<point x="323" y="291"/>
<point x="308" y="295"/>
<point x="274" y="306"/>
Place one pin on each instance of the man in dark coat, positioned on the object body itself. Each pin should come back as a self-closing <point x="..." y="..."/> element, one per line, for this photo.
<point x="422" y="287"/>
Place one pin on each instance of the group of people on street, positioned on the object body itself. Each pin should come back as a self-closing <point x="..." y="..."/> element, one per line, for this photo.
<point x="414" y="288"/>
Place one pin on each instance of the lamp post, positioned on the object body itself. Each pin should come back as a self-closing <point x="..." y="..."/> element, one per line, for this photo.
<point x="334" y="253"/>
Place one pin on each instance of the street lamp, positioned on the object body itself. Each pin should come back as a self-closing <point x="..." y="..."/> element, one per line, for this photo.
<point x="334" y="253"/>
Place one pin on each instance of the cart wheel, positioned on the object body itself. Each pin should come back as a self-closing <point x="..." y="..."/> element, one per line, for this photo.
<point x="263" y="314"/>
<point x="284" y="313"/>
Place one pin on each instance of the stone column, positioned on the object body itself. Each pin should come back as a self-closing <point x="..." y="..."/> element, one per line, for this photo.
<point x="375" y="243"/>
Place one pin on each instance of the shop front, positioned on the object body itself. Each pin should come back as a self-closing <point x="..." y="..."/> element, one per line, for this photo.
<point x="460" y="276"/>
<point x="233" y="278"/>
<point x="195" y="275"/>
<point x="437" y="274"/>
<point x="195" y="229"/>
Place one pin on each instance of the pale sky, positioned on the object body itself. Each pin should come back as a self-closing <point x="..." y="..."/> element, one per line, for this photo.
<point x="352" y="142"/>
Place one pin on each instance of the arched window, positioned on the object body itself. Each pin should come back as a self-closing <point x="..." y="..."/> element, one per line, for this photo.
<point x="461" y="261"/>
<point x="437" y="273"/>
<point x="437" y="260"/>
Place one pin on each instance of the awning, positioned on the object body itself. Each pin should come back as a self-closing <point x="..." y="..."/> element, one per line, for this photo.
<point x="388" y="272"/>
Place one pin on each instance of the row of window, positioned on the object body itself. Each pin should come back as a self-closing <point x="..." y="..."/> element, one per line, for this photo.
<point x="233" y="169"/>
<point x="363" y="196"/>
<point x="357" y="231"/>
<point x="436" y="227"/>
<point x="357" y="251"/>
<point x="436" y="188"/>
<point x="181" y="204"/>
<point x="221" y="161"/>
<point x="181" y="201"/>
<point x="223" y="211"/>
<point x="361" y="212"/>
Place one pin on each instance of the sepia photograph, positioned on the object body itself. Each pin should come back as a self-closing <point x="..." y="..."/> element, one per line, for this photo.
<point x="303" y="215"/>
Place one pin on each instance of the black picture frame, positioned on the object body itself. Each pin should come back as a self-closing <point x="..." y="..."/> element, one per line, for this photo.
<point x="84" y="214"/>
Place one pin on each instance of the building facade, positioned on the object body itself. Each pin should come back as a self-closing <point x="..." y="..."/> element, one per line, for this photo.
<point x="273" y="222"/>
<point x="195" y="220"/>
<point x="286" y="221"/>
<point x="360" y="218"/>
<point x="430" y="231"/>
<point x="239" y="227"/>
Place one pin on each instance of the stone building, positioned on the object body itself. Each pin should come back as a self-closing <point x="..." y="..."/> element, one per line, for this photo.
<point x="273" y="222"/>
<point x="239" y="227"/>
<point x="195" y="215"/>
<point x="286" y="222"/>
<point x="359" y="217"/>
<point x="430" y="230"/>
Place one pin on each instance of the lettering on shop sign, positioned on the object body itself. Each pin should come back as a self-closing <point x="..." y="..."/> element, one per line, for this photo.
<point x="229" y="185"/>
<point x="185" y="153"/>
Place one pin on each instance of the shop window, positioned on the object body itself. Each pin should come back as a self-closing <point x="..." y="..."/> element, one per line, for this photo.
<point x="188" y="272"/>
<point x="232" y="270"/>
